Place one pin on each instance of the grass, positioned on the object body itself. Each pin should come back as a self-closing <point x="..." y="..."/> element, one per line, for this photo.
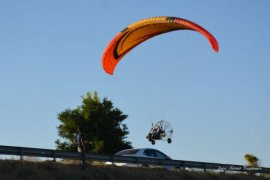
<point x="13" y="170"/>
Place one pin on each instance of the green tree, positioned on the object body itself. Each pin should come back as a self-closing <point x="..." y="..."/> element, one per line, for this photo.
<point x="252" y="160"/>
<point x="103" y="126"/>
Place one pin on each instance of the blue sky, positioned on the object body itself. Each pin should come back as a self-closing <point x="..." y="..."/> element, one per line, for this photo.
<point x="218" y="103"/>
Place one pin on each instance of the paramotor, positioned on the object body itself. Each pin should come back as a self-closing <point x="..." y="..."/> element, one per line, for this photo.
<point x="162" y="130"/>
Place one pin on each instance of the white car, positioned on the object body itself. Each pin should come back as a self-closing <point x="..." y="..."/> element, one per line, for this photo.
<point x="144" y="153"/>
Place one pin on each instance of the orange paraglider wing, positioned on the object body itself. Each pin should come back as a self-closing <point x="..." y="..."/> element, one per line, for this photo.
<point x="145" y="29"/>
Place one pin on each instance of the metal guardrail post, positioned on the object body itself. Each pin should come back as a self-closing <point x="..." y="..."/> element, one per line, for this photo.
<point x="21" y="153"/>
<point x="137" y="160"/>
<point x="112" y="159"/>
<point x="204" y="169"/>
<point x="54" y="156"/>
<point x="184" y="167"/>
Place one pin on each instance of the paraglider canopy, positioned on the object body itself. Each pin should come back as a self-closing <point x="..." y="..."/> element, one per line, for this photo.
<point x="145" y="29"/>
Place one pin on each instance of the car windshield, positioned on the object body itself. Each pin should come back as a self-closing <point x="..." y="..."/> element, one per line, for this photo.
<point x="127" y="152"/>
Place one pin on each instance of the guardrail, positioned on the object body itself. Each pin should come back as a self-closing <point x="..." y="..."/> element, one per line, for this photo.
<point x="49" y="153"/>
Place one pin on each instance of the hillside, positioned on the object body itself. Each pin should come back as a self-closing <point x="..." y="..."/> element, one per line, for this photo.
<point x="11" y="170"/>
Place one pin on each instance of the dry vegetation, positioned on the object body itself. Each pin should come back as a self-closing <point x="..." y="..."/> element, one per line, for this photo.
<point x="12" y="169"/>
